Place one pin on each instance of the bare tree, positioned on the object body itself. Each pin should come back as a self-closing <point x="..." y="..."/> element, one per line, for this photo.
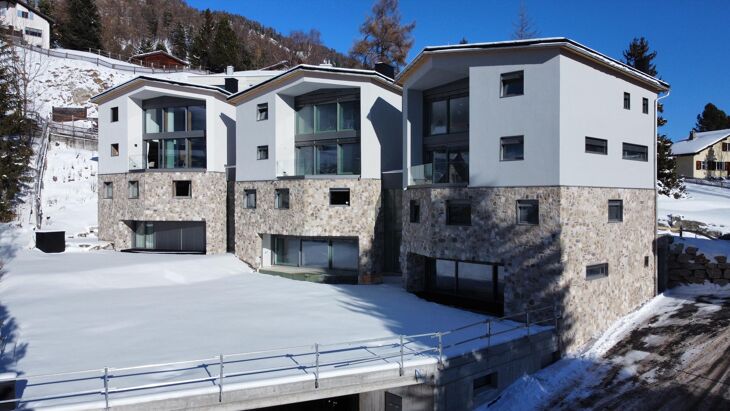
<point x="305" y="47"/>
<point x="384" y="37"/>
<point x="524" y="27"/>
<point x="27" y="66"/>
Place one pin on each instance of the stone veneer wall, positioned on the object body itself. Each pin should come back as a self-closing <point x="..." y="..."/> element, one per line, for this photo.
<point x="544" y="264"/>
<point x="156" y="203"/>
<point x="310" y="215"/>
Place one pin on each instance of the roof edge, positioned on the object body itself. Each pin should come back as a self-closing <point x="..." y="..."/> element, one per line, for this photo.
<point x="97" y="99"/>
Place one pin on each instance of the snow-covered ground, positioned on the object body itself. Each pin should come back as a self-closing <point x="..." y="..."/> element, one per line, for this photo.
<point x="707" y="204"/>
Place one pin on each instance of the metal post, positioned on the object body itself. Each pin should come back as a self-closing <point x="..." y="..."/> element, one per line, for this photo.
<point x="401" y="356"/>
<point x="527" y="320"/>
<point x="106" y="388"/>
<point x="489" y="333"/>
<point x="316" y="365"/>
<point x="220" y="378"/>
<point x="441" y="349"/>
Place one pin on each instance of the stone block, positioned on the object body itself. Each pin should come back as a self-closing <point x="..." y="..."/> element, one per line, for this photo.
<point x="684" y="258"/>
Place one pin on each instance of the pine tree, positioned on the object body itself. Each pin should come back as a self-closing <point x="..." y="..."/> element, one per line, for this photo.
<point x="640" y="57"/>
<point x="200" y="48"/>
<point x="81" y="29"/>
<point x="179" y="41"/>
<point x="224" y="52"/>
<point x="160" y="46"/>
<point x="712" y="118"/>
<point x="145" y="47"/>
<point x="524" y="27"/>
<point x="384" y="38"/>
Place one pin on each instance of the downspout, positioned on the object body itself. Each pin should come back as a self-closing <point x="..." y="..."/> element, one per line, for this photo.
<point x="656" y="193"/>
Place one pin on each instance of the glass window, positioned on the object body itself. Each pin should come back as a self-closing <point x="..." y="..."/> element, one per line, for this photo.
<point x="115" y="150"/>
<point x="282" y="198"/>
<point x="513" y="84"/>
<point x="250" y="198"/>
<point x="458" y="212"/>
<point x="315" y="253"/>
<point x="437" y="117"/>
<point x="175" y="119"/>
<point x="197" y="118"/>
<point x="153" y="120"/>
<point x="459" y="114"/>
<point x="108" y="189"/>
<point x="597" y="271"/>
<point x="440" y="166"/>
<point x="262" y="152"/>
<point x="153" y="152"/>
<point x="513" y="148"/>
<point x="326" y="117"/>
<point x="286" y="251"/>
<point x="133" y="188"/>
<point x="349" y="115"/>
<point x="305" y="120"/>
<point x="345" y="255"/>
<point x="197" y="152"/>
<point x="115" y="114"/>
<point x="476" y="278"/>
<point x="635" y="152"/>
<point x="305" y="160"/>
<point x="340" y="196"/>
<point x="627" y="101"/>
<point x="645" y="105"/>
<point x="327" y="159"/>
<point x="415" y="211"/>
<point x="446" y="274"/>
<point x="262" y="112"/>
<point x="596" y="145"/>
<point x="144" y="235"/>
<point x="528" y="212"/>
<point x="182" y="188"/>
<point x="174" y="153"/>
<point x="615" y="210"/>
<point x="349" y="158"/>
<point x="458" y="166"/>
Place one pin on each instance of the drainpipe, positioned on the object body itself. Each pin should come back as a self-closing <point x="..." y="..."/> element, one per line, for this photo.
<point x="656" y="193"/>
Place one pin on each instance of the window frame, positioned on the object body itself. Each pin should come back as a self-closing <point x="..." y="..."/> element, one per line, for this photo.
<point x="340" y="190"/>
<point x="246" y="198"/>
<point x="135" y="184"/>
<point x="414" y="211"/>
<point x="262" y="111"/>
<point x="281" y="194"/>
<point x="262" y="152"/>
<point x="114" y="150"/>
<point x="629" y="145"/>
<point x="603" y="271"/>
<point x="512" y="75"/>
<point x="645" y="105"/>
<point x="446" y="93"/>
<point x="458" y="203"/>
<point x="605" y="145"/>
<point x="175" y="189"/>
<point x="627" y="100"/>
<point x="614" y="203"/>
<point x="527" y="202"/>
<point x="108" y="190"/>
<point x="504" y="140"/>
<point x="114" y="114"/>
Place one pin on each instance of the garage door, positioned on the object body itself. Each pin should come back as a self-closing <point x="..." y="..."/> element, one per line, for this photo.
<point x="184" y="236"/>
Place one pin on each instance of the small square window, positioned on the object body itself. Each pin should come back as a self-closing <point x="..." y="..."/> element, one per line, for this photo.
<point x="627" y="101"/>
<point x="512" y="148"/>
<point x="115" y="114"/>
<point x="596" y="145"/>
<point x="513" y="84"/>
<point x="262" y="112"/>
<point x="282" y="198"/>
<point x="340" y="196"/>
<point x="108" y="189"/>
<point x="615" y="211"/>
<point x="725" y="146"/>
<point x="250" y="198"/>
<point x="646" y="261"/>
<point x="414" y="209"/>
<point x="596" y="271"/>
<point x="115" y="150"/>
<point x="133" y="189"/>
<point x="262" y="152"/>
<point x="635" y="152"/>
<point x="645" y="105"/>
<point x="182" y="189"/>
<point x="528" y="212"/>
<point x="458" y="212"/>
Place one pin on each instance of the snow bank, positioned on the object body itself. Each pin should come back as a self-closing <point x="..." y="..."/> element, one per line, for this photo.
<point x="707" y="204"/>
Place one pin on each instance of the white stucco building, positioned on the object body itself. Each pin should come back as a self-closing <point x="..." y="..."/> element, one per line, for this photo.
<point x="25" y="21"/>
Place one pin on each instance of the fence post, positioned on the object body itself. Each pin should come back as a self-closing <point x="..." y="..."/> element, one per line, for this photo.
<point x="441" y="349"/>
<point x="400" y="371"/>
<point x="489" y="333"/>
<point x="527" y="322"/>
<point x="316" y="365"/>
<point x="220" y="378"/>
<point x="106" y="387"/>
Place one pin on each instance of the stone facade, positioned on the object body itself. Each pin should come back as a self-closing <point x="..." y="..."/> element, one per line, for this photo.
<point x="544" y="264"/>
<point x="311" y="215"/>
<point x="156" y="203"/>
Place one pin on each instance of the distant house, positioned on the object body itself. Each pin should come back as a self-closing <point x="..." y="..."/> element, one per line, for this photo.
<point x="159" y="58"/>
<point x="703" y="155"/>
<point x="20" y="19"/>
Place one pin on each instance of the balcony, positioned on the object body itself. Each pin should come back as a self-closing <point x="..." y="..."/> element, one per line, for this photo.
<point x="440" y="173"/>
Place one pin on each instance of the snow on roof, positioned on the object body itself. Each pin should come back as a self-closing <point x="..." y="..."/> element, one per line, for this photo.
<point x="700" y="142"/>
<point x="561" y="41"/>
<point x="95" y="99"/>
<point x="151" y="53"/>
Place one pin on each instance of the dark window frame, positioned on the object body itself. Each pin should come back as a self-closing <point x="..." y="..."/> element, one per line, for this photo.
<point x="637" y="147"/>
<point x="627" y="101"/>
<point x="450" y="215"/>
<point x="596" y="142"/>
<point x="282" y="199"/>
<point x="246" y="203"/>
<point x="175" y="186"/>
<point x="616" y="203"/>
<point x="262" y="111"/>
<point x="511" y="76"/>
<point x="506" y="141"/>
<point x="130" y="184"/>
<point x="114" y="114"/>
<point x="519" y="204"/>
<point x="645" y="105"/>
<point x="108" y="187"/>
<point x="114" y="150"/>
<point x="348" y="203"/>
<point x="262" y="152"/>
<point x="596" y="271"/>
<point x="414" y="211"/>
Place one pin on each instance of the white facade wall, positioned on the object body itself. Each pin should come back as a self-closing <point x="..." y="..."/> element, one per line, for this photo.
<point x="128" y="131"/>
<point x="9" y="17"/>
<point x="380" y="125"/>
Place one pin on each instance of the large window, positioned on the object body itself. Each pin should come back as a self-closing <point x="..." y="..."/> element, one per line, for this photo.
<point x="450" y="165"/>
<point x="321" y="253"/>
<point x="176" y="153"/>
<point x="596" y="145"/>
<point x="448" y="115"/>
<point x="328" y="117"/>
<point x="467" y="279"/>
<point x="328" y="157"/>
<point x="175" y="136"/>
<point x="174" y="119"/>
<point x="635" y="152"/>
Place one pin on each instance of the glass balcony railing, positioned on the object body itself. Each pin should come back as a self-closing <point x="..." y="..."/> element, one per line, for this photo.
<point x="439" y="173"/>
<point x="421" y="174"/>
<point x="136" y="162"/>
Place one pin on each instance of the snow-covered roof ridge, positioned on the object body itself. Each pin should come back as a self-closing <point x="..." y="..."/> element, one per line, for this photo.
<point x="700" y="142"/>
<point x="149" y="53"/>
<point x="96" y="98"/>
<point x="610" y="62"/>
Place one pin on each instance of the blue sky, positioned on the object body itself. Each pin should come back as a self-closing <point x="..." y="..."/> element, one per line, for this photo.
<point x="691" y="37"/>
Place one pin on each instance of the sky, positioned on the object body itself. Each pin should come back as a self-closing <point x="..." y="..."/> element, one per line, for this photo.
<point x="692" y="38"/>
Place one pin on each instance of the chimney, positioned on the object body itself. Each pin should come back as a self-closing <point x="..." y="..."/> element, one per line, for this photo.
<point x="326" y="63"/>
<point x="385" y="69"/>
<point x="231" y="85"/>
<point x="229" y="70"/>
<point x="692" y="134"/>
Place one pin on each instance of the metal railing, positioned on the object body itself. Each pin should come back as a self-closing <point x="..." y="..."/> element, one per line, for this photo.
<point x="714" y="183"/>
<point x="70" y="130"/>
<point x="390" y="351"/>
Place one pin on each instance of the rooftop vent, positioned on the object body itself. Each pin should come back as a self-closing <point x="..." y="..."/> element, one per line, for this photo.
<point x="326" y="63"/>
<point x="385" y="69"/>
<point x="229" y="70"/>
<point x="692" y="134"/>
<point x="231" y="85"/>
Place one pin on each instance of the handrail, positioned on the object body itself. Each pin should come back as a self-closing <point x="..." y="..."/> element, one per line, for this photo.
<point x="397" y="344"/>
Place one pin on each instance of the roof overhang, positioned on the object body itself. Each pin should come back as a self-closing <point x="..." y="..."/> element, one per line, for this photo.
<point x="565" y="44"/>
<point x="143" y="81"/>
